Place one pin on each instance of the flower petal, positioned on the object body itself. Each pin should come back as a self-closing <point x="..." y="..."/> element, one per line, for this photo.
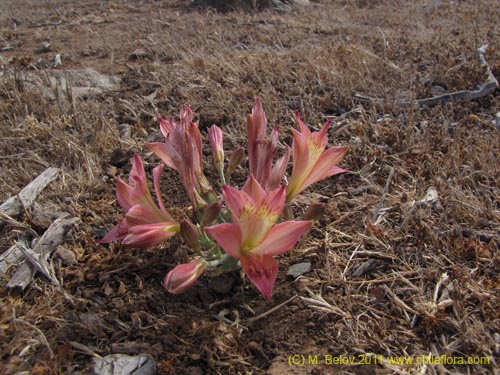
<point x="254" y="190"/>
<point x="278" y="170"/>
<point x="274" y="201"/>
<point x="326" y="165"/>
<point x="124" y="194"/>
<point x="166" y="126"/>
<point x="282" y="237"/>
<point x="144" y="214"/>
<point x="227" y="236"/>
<point x="149" y="235"/>
<point x="304" y="129"/>
<point x="261" y="271"/>
<point x="165" y="153"/>
<point x="115" y="234"/>
<point x="137" y="172"/>
<point x="236" y="200"/>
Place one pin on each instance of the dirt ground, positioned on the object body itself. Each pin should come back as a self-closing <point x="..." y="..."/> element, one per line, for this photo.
<point x="393" y="275"/>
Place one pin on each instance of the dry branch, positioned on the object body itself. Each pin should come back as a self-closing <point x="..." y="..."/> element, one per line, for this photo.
<point x="12" y="255"/>
<point x="486" y="88"/>
<point x="16" y="205"/>
<point x="53" y="237"/>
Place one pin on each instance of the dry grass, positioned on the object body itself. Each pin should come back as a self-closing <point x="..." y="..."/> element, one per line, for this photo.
<point x="392" y="275"/>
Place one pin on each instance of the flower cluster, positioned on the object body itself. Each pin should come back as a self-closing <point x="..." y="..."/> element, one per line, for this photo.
<point x="239" y="227"/>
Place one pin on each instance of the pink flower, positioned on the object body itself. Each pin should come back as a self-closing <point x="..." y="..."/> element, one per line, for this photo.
<point x="254" y="237"/>
<point x="261" y="150"/>
<point x="184" y="276"/>
<point x="145" y="225"/>
<point x="311" y="163"/>
<point x="182" y="151"/>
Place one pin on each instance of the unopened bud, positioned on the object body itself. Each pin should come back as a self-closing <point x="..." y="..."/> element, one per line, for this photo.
<point x="190" y="234"/>
<point x="235" y="160"/>
<point x="314" y="212"/>
<point x="215" y="138"/>
<point x="184" y="276"/>
<point x="210" y="214"/>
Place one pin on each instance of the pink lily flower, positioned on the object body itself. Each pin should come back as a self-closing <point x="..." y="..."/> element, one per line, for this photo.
<point x="182" y="151"/>
<point x="254" y="238"/>
<point x="261" y="150"/>
<point x="184" y="276"/>
<point x="145" y="224"/>
<point x="311" y="163"/>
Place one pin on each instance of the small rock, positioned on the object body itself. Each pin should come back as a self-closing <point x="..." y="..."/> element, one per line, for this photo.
<point x="299" y="269"/>
<point x="125" y="131"/>
<point x="67" y="256"/>
<point x="119" y="364"/>
<point x="221" y="285"/>
<point x="139" y="54"/>
<point x="45" y="47"/>
<point x="112" y="171"/>
<point x="120" y="157"/>
<point x="496" y="121"/>
<point x="57" y="60"/>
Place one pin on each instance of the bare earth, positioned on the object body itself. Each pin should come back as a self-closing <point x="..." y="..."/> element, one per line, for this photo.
<point x="392" y="274"/>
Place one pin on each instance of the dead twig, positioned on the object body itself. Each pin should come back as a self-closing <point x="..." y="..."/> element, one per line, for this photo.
<point x="16" y="205"/>
<point x="484" y="89"/>
<point x="52" y="237"/>
<point x="268" y="312"/>
<point x="382" y="198"/>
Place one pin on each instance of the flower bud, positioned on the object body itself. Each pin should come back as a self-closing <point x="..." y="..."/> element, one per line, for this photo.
<point x="215" y="138"/>
<point x="184" y="276"/>
<point x="235" y="160"/>
<point x="210" y="213"/>
<point x="190" y="234"/>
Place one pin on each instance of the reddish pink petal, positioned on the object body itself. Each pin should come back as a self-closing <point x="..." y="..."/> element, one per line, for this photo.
<point x="282" y="237"/>
<point x="227" y="236"/>
<point x="304" y="129"/>
<point x="254" y="190"/>
<point x="115" y="234"/>
<point x="236" y="199"/>
<point x="164" y="152"/>
<point x="195" y="139"/>
<point x="167" y="126"/>
<point x="124" y="194"/>
<point x="145" y="214"/>
<point x="300" y="154"/>
<point x="279" y="170"/>
<point x="320" y="138"/>
<point x="256" y="130"/>
<point x="137" y="172"/>
<point x="262" y="272"/>
<point x="275" y="201"/>
<point x="149" y="235"/>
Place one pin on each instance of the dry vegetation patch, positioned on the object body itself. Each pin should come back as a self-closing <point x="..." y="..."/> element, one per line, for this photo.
<point x="405" y="261"/>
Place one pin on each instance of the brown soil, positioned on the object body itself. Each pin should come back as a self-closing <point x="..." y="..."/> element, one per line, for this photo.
<point x="375" y="283"/>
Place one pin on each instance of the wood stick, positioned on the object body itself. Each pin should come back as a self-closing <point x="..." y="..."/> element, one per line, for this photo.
<point x="16" y="205"/>
<point x="49" y="241"/>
